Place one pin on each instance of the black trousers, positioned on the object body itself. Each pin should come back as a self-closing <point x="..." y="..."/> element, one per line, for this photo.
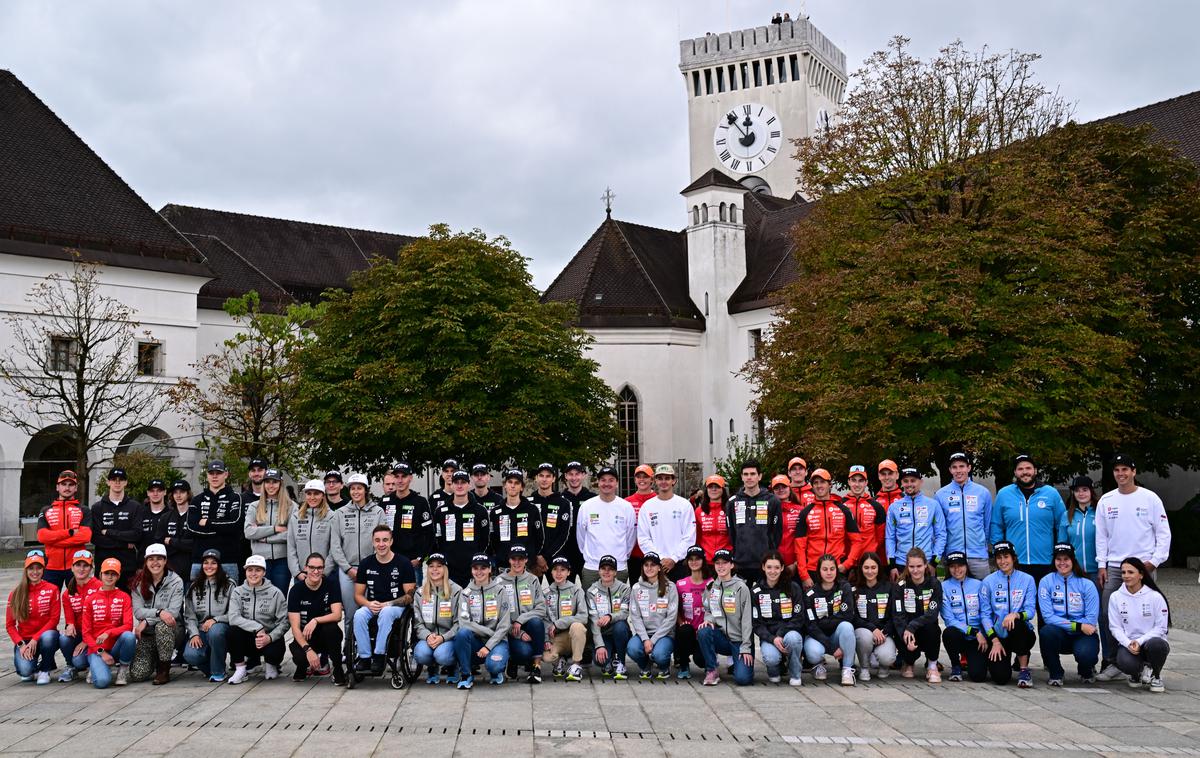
<point x="1018" y="642"/>
<point x="929" y="644"/>
<point x="687" y="647"/>
<point x="959" y="644"/>
<point x="326" y="640"/>
<point x="242" y="648"/>
<point x="1153" y="654"/>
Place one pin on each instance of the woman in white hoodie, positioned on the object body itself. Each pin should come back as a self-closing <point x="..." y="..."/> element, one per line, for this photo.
<point x="1138" y="617"/>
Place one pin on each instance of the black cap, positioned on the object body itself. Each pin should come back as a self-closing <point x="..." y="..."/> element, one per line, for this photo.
<point x="518" y="551"/>
<point x="1120" y="459"/>
<point x="1023" y="458"/>
<point x="560" y="560"/>
<point x="1082" y="481"/>
<point x="515" y="473"/>
<point x="722" y="555"/>
<point x="1064" y="548"/>
<point x="159" y="483"/>
<point x="211" y="553"/>
<point x="607" y="471"/>
<point x="481" y="468"/>
<point x="439" y="557"/>
<point x="402" y="468"/>
<point x="481" y="559"/>
<point x="460" y="476"/>
<point x="574" y="466"/>
<point x="117" y="473"/>
<point x="652" y="557"/>
<point x="957" y="556"/>
<point x="181" y="484"/>
<point x="909" y="471"/>
<point x="450" y="463"/>
<point x="547" y="467"/>
<point x="959" y="457"/>
<point x="608" y="560"/>
<point x="333" y="475"/>
<point x="1004" y="546"/>
<point x="273" y="475"/>
<point x="257" y="463"/>
<point x="695" y="550"/>
<point x="215" y="467"/>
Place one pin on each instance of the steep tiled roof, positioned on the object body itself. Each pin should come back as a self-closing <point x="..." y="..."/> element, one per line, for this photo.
<point x="629" y="275"/>
<point x="712" y="178"/>
<point x="56" y="194"/>
<point x="299" y="258"/>
<point x="770" y="263"/>
<point x="1176" y="121"/>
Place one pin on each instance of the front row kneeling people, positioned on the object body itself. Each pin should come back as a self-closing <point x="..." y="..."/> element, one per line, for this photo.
<point x="728" y="627"/>
<point x="1007" y="610"/>
<point x="1070" y="611"/>
<point x="653" y="609"/>
<point x="438" y="603"/>
<point x="1139" y="618"/>
<point x="608" y="607"/>
<point x="258" y="619"/>
<point x="917" y="603"/>
<point x="484" y="621"/>
<point x="828" y="606"/>
<point x="566" y="604"/>
<point x="873" y="621"/>
<point x="778" y="613"/>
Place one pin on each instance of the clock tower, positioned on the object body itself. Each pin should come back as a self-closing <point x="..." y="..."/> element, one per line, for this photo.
<point x="751" y="92"/>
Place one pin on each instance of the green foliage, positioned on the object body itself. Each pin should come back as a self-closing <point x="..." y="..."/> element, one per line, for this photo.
<point x="447" y="351"/>
<point x="742" y="449"/>
<point x="141" y="467"/>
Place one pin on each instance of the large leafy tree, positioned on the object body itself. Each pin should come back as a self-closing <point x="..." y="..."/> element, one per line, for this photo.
<point x="446" y="350"/>
<point x="1038" y="295"/>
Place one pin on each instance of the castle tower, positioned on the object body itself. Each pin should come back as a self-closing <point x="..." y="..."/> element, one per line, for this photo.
<point x="752" y="91"/>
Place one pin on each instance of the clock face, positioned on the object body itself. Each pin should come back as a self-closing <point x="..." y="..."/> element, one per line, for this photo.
<point x="747" y="138"/>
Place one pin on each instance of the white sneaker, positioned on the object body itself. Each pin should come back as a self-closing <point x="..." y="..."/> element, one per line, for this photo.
<point x="883" y="672"/>
<point x="43" y="677"/>
<point x="847" y="676"/>
<point x="239" y="675"/>
<point x="122" y="676"/>
<point x="864" y="674"/>
<point x="796" y="682"/>
<point x="773" y="679"/>
<point x="270" y="671"/>
<point x="1147" y="675"/>
<point x="1110" y="673"/>
<point x="819" y="672"/>
<point x="1156" y="684"/>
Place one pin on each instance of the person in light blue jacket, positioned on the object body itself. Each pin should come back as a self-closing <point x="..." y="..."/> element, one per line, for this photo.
<point x="1070" y="605"/>
<point x="963" y="635"/>
<point x="1026" y="514"/>
<point x="1078" y="526"/>
<point x="914" y="520"/>
<point x="967" y="508"/>
<point x="1007" y="608"/>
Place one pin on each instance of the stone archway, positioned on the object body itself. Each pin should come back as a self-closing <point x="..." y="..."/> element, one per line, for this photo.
<point x="47" y="453"/>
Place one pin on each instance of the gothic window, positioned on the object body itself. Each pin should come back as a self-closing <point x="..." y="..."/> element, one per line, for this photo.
<point x="732" y="213"/>
<point x="695" y="215"/>
<point x="704" y="212"/>
<point x="629" y="453"/>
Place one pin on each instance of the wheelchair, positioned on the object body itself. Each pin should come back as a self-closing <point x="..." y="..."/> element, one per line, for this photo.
<point x="401" y="668"/>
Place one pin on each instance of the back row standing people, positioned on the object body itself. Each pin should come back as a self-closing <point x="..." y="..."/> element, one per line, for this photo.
<point x="606" y="526"/>
<point x="352" y="538"/>
<point x="117" y="525"/>
<point x="913" y="521"/>
<point x="515" y="520"/>
<point x="755" y="519"/>
<point x="666" y="525"/>
<point x="1026" y="513"/>
<point x="216" y="520"/>
<point x="462" y="527"/>
<point x="556" y="512"/>
<point x="267" y="527"/>
<point x="64" y="527"/>
<point x="967" y="506"/>
<point x="411" y="518"/>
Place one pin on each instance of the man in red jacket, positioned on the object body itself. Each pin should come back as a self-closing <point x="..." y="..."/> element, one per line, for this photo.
<point x="867" y="512"/>
<point x="64" y="526"/>
<point x="824" y="526"/>
<point x="798" y="474"/>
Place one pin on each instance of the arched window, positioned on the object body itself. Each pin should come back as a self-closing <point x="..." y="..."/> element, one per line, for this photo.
<point x="629" y="452"/>
<point x="704" y="212"/>
<point x="724" y="213"/>
<point x="695" y="215"/>
<point x="732" y="213"/>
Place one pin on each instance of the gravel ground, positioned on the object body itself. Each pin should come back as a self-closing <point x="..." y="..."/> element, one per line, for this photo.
<point x="1183" y="593"/>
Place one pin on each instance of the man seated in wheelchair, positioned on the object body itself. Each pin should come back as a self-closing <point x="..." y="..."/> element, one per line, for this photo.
<point x="383" y="590"/>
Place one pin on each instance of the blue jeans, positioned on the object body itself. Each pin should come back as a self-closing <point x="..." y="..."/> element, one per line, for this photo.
<point x="841" y="639"/>
<point x="467" y="644"/>
<point x="122" y="653"/>
<point x="1055" y="641"/>
<point x="442" y="655"/>
<point x="383" y="629"/>
<point x="210" y="658"/>
<point x="280" y="575"/>
<point x="660" y="653"/>
<point x="616" y="641"/>
<point x="43" y="655"/>
<point x="230" y="568"/>
<point x="794" y="642"/>
<point x="524" y="652"/>
<point x="714" y="642"/>
<point x="67" y="645"/>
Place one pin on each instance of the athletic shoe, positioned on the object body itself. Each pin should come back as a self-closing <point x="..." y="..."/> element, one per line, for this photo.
<point x="796" y="682"/>
<point x="452" y="677"/>
<point x="361" y="666"/>
<point x="560" y="668"/>
<point x="847" y="676"/>
<point x="684" y="673"/>
<point x="67" y="674"/>
<point x="619" y="673"/>
<point x="606" y="671"/>
<point x="575" y="673"/>
<point x="907" y="672"/>
<point x="1110" y="673"/>
<point x="322" y="670"/>
<point x="299" y="675"/>
<point x="773" y="679"/>
<point x="1088" y="676"/>
<point x="498" y="679"/>
<point x="1055" y="682"/>
<point x="43" y="677"/>
<point x="239" y="675"/>
<point x="1025" y="679"/>
<point x="956" y="673"/>
<point x="1134" y="682"/>
<point x="467" y="683"/>
<point x="27" y="678"/>
<point x="378" y="663"/>
<point x="644" y="675"/>
<point x="1147" y="674"/>
<point x="217" y="678"/>
<point x="122" y="676"/>
<point x="711" y="678"/>
<point x="819" y="672"/>
<point x="339" y="677"/>
<point x="883" y="672"/>
<point x="534" y="675"/>
<point x="1156" y="684"/>
<point x="933" y="674"/>
<point x="270" y="671"/>
<point x="864" y="674"/>
<point x="433" y="678"/>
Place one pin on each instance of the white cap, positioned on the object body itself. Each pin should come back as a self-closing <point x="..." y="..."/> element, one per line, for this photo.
<point x="256" y="561"/>
<point x="156" y="549"/>
<point x="316" y="485"/>
<point x="356" y="479"/>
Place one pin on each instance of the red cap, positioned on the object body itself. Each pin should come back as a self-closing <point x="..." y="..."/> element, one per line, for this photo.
<point x="888" y="463"/>
<point x="715" y="479"/>
<point x="797" y="460"/>
<point x="821" y="474"/>
<point x="779" y="479"/>
<point x="644" y="469"/>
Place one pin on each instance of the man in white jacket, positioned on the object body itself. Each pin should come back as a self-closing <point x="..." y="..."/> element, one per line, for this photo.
<point x="1130" y="521"/>
<point x="666" y="524"/>
<point x="605" y="525"/>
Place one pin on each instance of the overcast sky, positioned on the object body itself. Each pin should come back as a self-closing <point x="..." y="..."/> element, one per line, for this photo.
<point x="508" y="116"/>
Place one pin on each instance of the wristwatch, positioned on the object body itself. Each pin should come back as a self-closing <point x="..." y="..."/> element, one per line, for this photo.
<point x="306" y="648"/>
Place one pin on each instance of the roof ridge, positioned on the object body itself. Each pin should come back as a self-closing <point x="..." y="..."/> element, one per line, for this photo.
<point x="243" y="259"/>
<point x="334" y="227"/>
<point x="588" y="277"/>
<point x="642" y="266"/>
<point x="1144" y="107"/>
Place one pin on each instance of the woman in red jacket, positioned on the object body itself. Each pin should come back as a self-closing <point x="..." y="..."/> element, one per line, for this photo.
<point x="108" y="629"/>
<point x="64" y="526"/>
<point x="79" y="588"/>
<point x="712" y="532"/>
<point x="32" y="621"/>
<point x="792" y="507"/>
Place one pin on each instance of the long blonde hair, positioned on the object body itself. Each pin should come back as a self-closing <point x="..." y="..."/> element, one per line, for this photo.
<point x="443" y="586"/>
<point x="285" y="507"/>
<point x="322" y="512"/>
<point x="18" y="599"/>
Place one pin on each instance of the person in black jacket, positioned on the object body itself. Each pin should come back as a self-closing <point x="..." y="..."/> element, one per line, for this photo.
<point x="830" y="629"/>
<point x="411" y="519"/>
<point x="155" y="510"/>
<point x="575" y="493"/>
<point x="873" y="623"/>
<point x="778" y="619"/>
<point x="916" y="609"/>
<point x="173" y="531"/>
<point x="117" y="526"/>
<point x="216" y="519"/>
<point x="515" y="520"/>
<point x="462" y="527"/>
<point x="558" y="521"/>
<point x="755" y="519"/>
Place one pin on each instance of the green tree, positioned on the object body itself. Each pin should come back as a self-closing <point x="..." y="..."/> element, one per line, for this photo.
<point x="140" y="467"/>
<point x="742" y="449"/>
<point x="446" y="350"/>
<point x="241" y="401"/>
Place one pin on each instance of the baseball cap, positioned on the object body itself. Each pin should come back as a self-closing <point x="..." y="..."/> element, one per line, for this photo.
<point x="481" y="559"/>
<point x="1064" y="548"/>
<point x="1082" y="481"/>
<point x="652" y="557"/>
<point x="460" y="476"/>
<point x="215" y="467"/>
<point x="357" y="479"/>
<point x="1120" y="459"/>
<point x="436" y="557"/>
<point x="35" y="556"/>
<point x="480" y="468"/>
<point x="181" y="484"/>
<point x="333" y="474"/>
<point x="450" y="463"/>
<point x="110" y="564"/>
<point x="257" y="463"/>
<point x="546" y="467"/>
<point x="574" y="466"/>
<point x="887" y="464"/>
<point x="160" y="550"/>
<point x="515" y="473"/>
<point x="857" y="470"/>
<point x="1023" y="458"/>
<point x="715" y="479"/>
<point x="256" y="561"/>
<point x="560" y="560"/>
<point x="780" y="479"/>
<point x="956" y="556"/>
<point x="695" y="550"/>
<point x="117" y="473"/>
<point x="664" y="469"/>
<point x="82" y="555"/>
<point x="1004" y="546"/>
<point x="820" y="474"/>
<point x="67" y="475"/>
<point x="315" y="485"/>
<point x="403" y="469"/>
<point x="273" y="475"/>
<point x="607" y="471"/>
<point x="156" y="483"/>
<point x="644" y="469"/>
<point x="959" y="457"/>
<point x="608" y="560"/>
<point x="212" y="552"/>
<point x="797" y="461"/>
<point x="722" y="555"/>
<point x="910" y="471"/>
<point x="518" y="551"/>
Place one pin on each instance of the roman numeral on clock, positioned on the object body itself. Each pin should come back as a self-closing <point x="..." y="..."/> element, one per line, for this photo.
<point x="725" y="155"/>
<point x="776" y="133"/>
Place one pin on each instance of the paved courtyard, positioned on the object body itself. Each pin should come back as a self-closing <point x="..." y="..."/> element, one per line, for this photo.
<point x="898" y="717"/>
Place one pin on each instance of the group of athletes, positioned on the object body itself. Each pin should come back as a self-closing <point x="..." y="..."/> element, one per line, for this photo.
<point x="499" y="582"/>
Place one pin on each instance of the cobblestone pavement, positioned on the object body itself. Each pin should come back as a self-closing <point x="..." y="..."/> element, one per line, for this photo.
<point x="897" y="717"/>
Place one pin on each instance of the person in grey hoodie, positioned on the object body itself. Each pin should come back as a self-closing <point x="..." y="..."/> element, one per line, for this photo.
<point x="353" y="525"/>
<point x="206" y="615"/>
<point x="257" y="622"/>
<point x="310" y="530"/>
<point x="267" y="527"/>
<point x="483" y="625"/>
<point x="608" y="607"/>
<point x="653" y="610"/>
<point x="438" y="603"/>
<point x="728" y="627"/>
<point x="157" y="594"/>
<point x="567" y="612"/>
<point x="527" y="638"/>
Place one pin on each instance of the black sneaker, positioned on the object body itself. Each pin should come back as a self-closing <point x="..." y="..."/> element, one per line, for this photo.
<point x="339" y="677"/>
<point x="534" y="676"/>
<point x="300" y="675"/>
<point x="362" y="665"/>
<point x="511" y="671"/>
<point x="378" y="662"/>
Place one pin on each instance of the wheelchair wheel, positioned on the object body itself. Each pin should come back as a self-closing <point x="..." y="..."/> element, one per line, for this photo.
<point x="348" y="656"/>
<point x="407" y="666"/>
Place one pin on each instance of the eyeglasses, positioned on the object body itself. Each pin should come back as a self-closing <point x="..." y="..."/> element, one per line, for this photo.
<point x="314" y="568"/>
